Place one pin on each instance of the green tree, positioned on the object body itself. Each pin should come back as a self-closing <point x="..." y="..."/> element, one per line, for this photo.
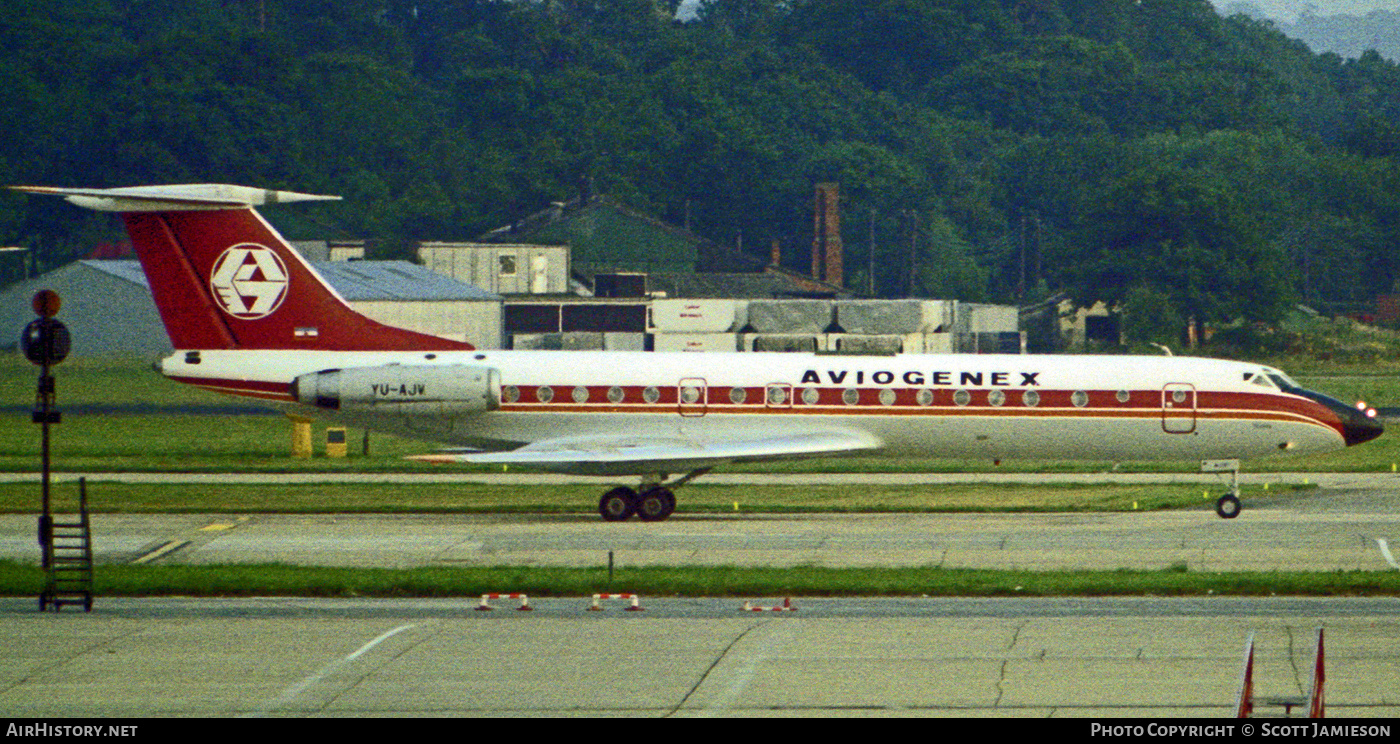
<point x="1150" y="318"/>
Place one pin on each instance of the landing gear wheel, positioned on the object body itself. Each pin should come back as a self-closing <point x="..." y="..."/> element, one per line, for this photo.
<point x="656" y="504"/>
<point x="618" y="504"/>
<point x="1228" y="506"/>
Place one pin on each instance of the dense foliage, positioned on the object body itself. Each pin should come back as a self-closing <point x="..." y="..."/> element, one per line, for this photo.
<point x="988" y="149"/>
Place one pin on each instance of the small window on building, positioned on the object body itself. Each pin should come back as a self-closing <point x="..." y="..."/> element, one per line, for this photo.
<point x="507" y="264"/>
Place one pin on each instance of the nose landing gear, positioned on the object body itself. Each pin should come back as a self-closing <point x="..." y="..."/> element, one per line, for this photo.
<point x="1227" y="506"/>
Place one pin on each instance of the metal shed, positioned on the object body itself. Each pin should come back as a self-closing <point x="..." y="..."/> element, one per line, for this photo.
<point x="406" y="295"/>
<point x="107" y="307"/>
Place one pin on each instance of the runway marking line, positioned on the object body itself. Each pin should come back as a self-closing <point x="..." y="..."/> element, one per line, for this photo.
<point x="1385" y="552"/>
<point x="290" y="694"/>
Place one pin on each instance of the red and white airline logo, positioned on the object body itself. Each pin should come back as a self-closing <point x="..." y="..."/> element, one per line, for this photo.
<point x="249" y="281"/>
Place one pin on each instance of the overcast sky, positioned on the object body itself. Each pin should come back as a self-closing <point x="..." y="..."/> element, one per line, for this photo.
<point x="1288" y="10"/>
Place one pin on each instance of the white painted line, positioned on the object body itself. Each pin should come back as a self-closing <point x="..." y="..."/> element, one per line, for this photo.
<point x="386" y="635"/>
<point x="1385" y="552"/>
<point x="780" y="635"/>
<point x="290" y="694"/>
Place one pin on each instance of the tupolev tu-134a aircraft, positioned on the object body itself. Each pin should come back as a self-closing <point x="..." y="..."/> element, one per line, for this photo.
<point x="247" y="315"/>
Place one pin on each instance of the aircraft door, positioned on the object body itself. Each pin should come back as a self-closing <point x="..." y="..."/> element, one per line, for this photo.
<point x="1179" y="408"/>
<point x="690" y="397"/>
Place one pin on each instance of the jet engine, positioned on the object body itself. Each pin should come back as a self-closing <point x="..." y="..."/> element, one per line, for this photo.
<point x="404" y="389"/>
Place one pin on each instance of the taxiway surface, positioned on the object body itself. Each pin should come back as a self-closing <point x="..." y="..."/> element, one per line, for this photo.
<point x="1347" y="523"/>
<point x="702" y="657"/>
<point x="850" y="657"/>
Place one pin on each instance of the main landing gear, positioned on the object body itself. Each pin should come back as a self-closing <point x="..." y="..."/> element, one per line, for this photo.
<point x="652" y="505"/>
<point x="651" y="502"/>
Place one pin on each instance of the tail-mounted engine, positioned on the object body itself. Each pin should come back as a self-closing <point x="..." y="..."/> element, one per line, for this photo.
<point x="450" y="390"/>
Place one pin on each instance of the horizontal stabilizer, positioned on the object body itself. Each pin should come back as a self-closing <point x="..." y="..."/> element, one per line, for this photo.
<point x="621" y="455"/>
<point x="178" y="197"/>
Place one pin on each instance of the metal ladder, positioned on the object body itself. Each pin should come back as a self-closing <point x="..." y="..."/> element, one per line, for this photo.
<point x="67" y="558"/>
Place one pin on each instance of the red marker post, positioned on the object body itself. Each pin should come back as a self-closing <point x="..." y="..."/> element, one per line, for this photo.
<point x="46" y="342"/>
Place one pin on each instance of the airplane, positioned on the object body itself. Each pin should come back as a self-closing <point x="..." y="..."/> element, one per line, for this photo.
<point x="248" y="316"/>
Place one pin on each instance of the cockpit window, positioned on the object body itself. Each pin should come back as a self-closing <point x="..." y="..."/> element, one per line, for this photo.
<point x="1281" y="380"/>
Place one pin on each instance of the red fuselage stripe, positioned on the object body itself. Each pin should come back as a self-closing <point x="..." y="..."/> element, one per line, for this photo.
<point x="828" y="401"/>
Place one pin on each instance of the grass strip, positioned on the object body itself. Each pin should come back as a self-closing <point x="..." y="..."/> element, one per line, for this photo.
<point x="246" y="580"/>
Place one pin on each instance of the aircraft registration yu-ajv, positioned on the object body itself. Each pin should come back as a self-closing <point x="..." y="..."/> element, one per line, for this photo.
<point x="247" y="315"/>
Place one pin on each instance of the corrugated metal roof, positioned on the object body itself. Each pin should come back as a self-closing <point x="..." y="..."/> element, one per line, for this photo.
<point x="355" y="280"/>
<point x="122" y="268"/>
<point x="396" y="280"/>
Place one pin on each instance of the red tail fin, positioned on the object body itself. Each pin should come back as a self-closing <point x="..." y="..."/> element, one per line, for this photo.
<point x="223" y="278"/>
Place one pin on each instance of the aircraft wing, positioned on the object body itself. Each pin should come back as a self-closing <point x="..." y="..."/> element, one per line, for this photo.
<point x="631" y="455"/>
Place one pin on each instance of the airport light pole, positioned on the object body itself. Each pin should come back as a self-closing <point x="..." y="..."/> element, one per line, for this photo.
<point x="46" y="342"/>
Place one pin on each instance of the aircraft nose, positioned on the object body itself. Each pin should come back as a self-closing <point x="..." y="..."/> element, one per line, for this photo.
<point x="1359" y="423"/>
<point x="1361" y="426"/>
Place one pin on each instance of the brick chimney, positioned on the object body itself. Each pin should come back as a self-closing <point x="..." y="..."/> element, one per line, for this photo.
<point x="826" y="235"/>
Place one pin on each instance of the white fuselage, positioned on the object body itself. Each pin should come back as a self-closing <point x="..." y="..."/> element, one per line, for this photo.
<point x="964" y="406"/>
